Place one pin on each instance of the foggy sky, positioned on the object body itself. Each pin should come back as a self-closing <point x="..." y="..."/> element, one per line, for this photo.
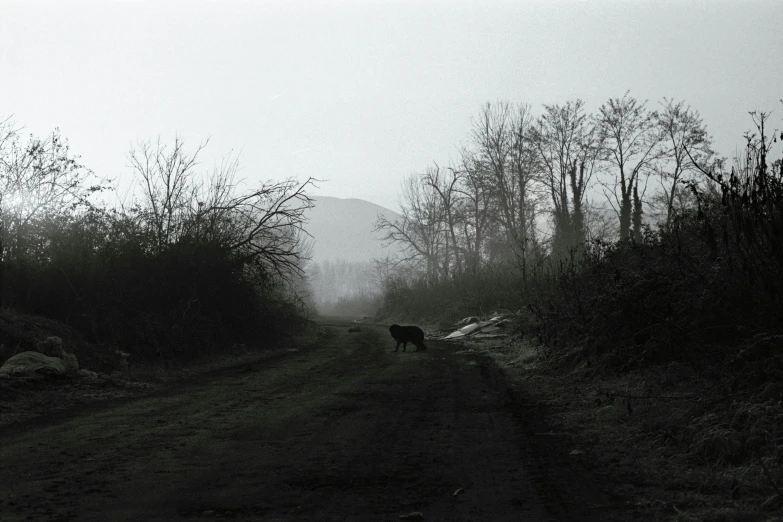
<point x="365" y="93"/>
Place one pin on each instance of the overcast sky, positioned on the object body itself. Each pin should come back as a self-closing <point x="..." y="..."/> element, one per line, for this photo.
<point x="364" y="93"/>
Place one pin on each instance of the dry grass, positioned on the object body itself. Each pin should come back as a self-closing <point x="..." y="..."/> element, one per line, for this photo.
<point x="666" y="441"/>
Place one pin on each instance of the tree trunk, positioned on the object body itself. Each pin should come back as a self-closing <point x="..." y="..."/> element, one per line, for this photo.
<point x="3" y="270"/>
<point x="637" y="213"/>
<point x="577" y="217"/>
<point x="625" y="216"/>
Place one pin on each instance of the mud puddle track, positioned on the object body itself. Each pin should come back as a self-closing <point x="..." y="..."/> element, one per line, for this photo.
<point x="348" y="431"/>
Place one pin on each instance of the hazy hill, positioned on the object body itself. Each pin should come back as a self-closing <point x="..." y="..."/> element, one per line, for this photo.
<point x="343" y="229"/>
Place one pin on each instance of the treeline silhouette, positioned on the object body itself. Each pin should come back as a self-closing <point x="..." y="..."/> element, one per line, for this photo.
<point x="678" y="298"/>
<point x="344" y="288"/>
<point x="192" y="264"/>
<point x="704" y="288"/>
<point x="620" y="232"/>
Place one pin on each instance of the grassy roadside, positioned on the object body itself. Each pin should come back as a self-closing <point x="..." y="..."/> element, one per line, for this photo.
<point x="642" y="434"/>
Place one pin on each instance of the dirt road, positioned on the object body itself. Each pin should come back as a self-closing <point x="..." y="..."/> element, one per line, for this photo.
<point x="342" y="429"/>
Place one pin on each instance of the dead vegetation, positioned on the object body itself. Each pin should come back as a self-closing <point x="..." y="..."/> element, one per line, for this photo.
<point x="665" y="440"/>
<point x="658" y="356"/>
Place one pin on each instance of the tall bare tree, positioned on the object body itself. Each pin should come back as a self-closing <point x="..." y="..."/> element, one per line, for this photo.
<point x="475" y="208"/>
<point x="491" y="137"/>
<point x="419" y="231"/>
<point x="445" y="183"/>
<point x="506" y="156"/>
<point x="524" y="167"/>
<point x="568" y="150"/>
<point x="630" y="139"/>
<point x="501" y="136"/>
<point x="685" y="145"/>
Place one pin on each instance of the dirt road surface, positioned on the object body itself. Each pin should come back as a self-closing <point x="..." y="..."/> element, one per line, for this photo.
<point x="339" y="429"/>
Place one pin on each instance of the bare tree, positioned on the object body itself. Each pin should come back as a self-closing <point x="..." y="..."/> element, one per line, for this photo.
<point x="686" y="144"/>
<point x="39" y="177"/>
<point x="445" y="186"/>
<point x="268" y="225"/>
<point x="524" y="166"/>
<point x="491" y="137"/>
<point x="169" y="186"/>
<point x="630" y="140"/>
<point x="475" y="206"/>
<point x="503" y="151"/>
<point x="419" y="231"/>
<point x="568" y="150"/>
<point x="262" y="227"/>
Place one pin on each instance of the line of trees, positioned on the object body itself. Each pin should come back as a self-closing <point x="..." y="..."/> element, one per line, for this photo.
<point x="554" y="217"/>
<point x="194" y="261"/>
<point x="528" y="185"/>
<point x="341" y="287"/>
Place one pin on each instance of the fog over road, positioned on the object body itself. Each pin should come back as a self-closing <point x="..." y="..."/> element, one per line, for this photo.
<point x="341" y="429"/>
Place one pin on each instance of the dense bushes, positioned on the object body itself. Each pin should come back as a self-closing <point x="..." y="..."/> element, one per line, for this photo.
<point x="691" y="291"/>
<point x="192" y="265"/>
<point x="707" y="279"/>
<point x="187" y="298"/>
<point x="483" y="291"/>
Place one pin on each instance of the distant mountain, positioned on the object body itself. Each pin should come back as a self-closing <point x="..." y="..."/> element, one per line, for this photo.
<point x="343" y="229"/>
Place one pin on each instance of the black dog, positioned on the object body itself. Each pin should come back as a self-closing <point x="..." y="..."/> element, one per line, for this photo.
<point x="405" y="334"/>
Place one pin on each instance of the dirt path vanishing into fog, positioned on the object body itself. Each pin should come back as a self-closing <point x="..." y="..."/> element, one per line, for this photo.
<point x="341" y="429"/>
